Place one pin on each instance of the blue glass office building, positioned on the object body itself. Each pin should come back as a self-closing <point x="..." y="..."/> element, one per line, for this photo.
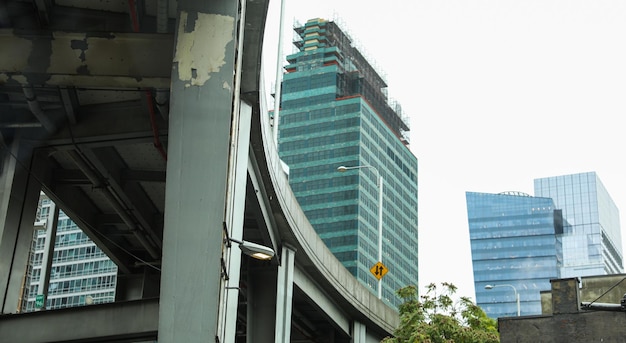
<point x="592" y="243"/>
<point x="515" y="249"/>
<point x="571" y="228"/>
<point x="335" y="112"/>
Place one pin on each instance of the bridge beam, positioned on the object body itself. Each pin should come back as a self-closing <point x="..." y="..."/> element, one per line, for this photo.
<point x="86" y="59"/>
<point x="97" y="323"/>
<point x="333" y="313"/>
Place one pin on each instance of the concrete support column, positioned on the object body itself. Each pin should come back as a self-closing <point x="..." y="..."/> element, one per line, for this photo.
<point x="19" y="194"/>
<point x="284" y="295"/>
<point x="359" y="332"/>
<point x="261" y="307"/>
<point x="235" y="209"/>
<point x="270" y="299"/>
<point x="200" y="117"/>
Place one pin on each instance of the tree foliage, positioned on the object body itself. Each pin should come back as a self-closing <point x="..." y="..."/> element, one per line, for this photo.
<point x="436" y="318"/>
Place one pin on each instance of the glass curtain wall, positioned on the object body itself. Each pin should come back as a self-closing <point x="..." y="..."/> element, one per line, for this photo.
<point x="515" y="250"/>
<point x="592" y="240"/>
<point x="80" y="274"/>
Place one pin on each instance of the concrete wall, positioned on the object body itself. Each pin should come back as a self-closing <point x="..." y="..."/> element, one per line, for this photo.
<point x="568" y="320"/>
<point x="584" y="327"/>
<point x="592" y="288"/>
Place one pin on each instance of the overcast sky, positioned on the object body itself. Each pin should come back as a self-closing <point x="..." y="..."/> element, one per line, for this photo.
<point x="499" y="92"/>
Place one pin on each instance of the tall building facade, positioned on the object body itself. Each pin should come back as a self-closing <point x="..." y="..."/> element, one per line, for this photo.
<point x="570" y="228"/>
<point x="80" y="272"/>
<point x="335" y="112"/>
<point x="515" y="249"/>
<point x="592" y="242"/>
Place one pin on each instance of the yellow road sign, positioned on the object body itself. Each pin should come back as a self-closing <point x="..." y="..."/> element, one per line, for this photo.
<point x="379" y="270"/>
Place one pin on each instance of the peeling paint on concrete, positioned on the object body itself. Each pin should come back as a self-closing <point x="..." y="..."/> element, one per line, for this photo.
<point x="64" y="60"/>
<point x="21" y="79"/>
<point x="81" y="45"/>
<point x="226" y="85"/>
<point x="196" y="62"/>
<point x="12" y="60"/>
<point x="110" y="55"/>
<point x="107" y="60"/>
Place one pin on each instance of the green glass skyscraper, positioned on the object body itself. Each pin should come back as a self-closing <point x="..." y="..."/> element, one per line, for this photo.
<point x="335" y="112"/>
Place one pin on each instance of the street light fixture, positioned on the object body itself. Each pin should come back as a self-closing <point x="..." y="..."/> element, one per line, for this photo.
<point x="488" y="287"/>
<point x="380" y="214"/>
<point x="254" y="250"/>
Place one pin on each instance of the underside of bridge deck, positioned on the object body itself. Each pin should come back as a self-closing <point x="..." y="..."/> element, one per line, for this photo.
<point x="86" y="91"/>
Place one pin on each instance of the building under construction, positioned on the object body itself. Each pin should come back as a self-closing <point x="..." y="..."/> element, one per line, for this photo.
<point x="335" y="112"/>
<point x="325" y="43"/>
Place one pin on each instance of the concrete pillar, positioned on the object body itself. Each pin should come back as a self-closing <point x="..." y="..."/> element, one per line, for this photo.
<point x="19" y="194"/>
<point x="270" y="299"/>
<point x="235" y="219"/>
<point x="200" y="117"/>
<point x="261" y="307"/>
<point x="284" y="295"/>
<point x="359" y="332"/>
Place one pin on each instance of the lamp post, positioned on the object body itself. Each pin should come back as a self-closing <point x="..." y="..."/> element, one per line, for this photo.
<point x="254" y="250"/>
<point x="514" y="290"/>
<point x="380" y="215"/>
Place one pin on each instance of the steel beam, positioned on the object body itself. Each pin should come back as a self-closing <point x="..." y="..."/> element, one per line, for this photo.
<point x="79" y="207"/>
<point x="104" y="125"/>
<point x="109" y="166"/>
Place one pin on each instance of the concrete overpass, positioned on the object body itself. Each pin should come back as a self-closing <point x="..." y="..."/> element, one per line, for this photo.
<point x="144" y="120"/>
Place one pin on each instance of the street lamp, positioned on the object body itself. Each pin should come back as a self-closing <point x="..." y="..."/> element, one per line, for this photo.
<point x="254" y="250"/>
<point x="514" y="290"/>
<point x="380" y="215"/>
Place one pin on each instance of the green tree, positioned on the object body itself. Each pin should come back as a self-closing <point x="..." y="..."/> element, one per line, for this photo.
<point x="436" y="318"/>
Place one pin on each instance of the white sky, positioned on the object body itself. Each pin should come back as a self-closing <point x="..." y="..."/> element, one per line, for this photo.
<point x="499" y="92"/>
